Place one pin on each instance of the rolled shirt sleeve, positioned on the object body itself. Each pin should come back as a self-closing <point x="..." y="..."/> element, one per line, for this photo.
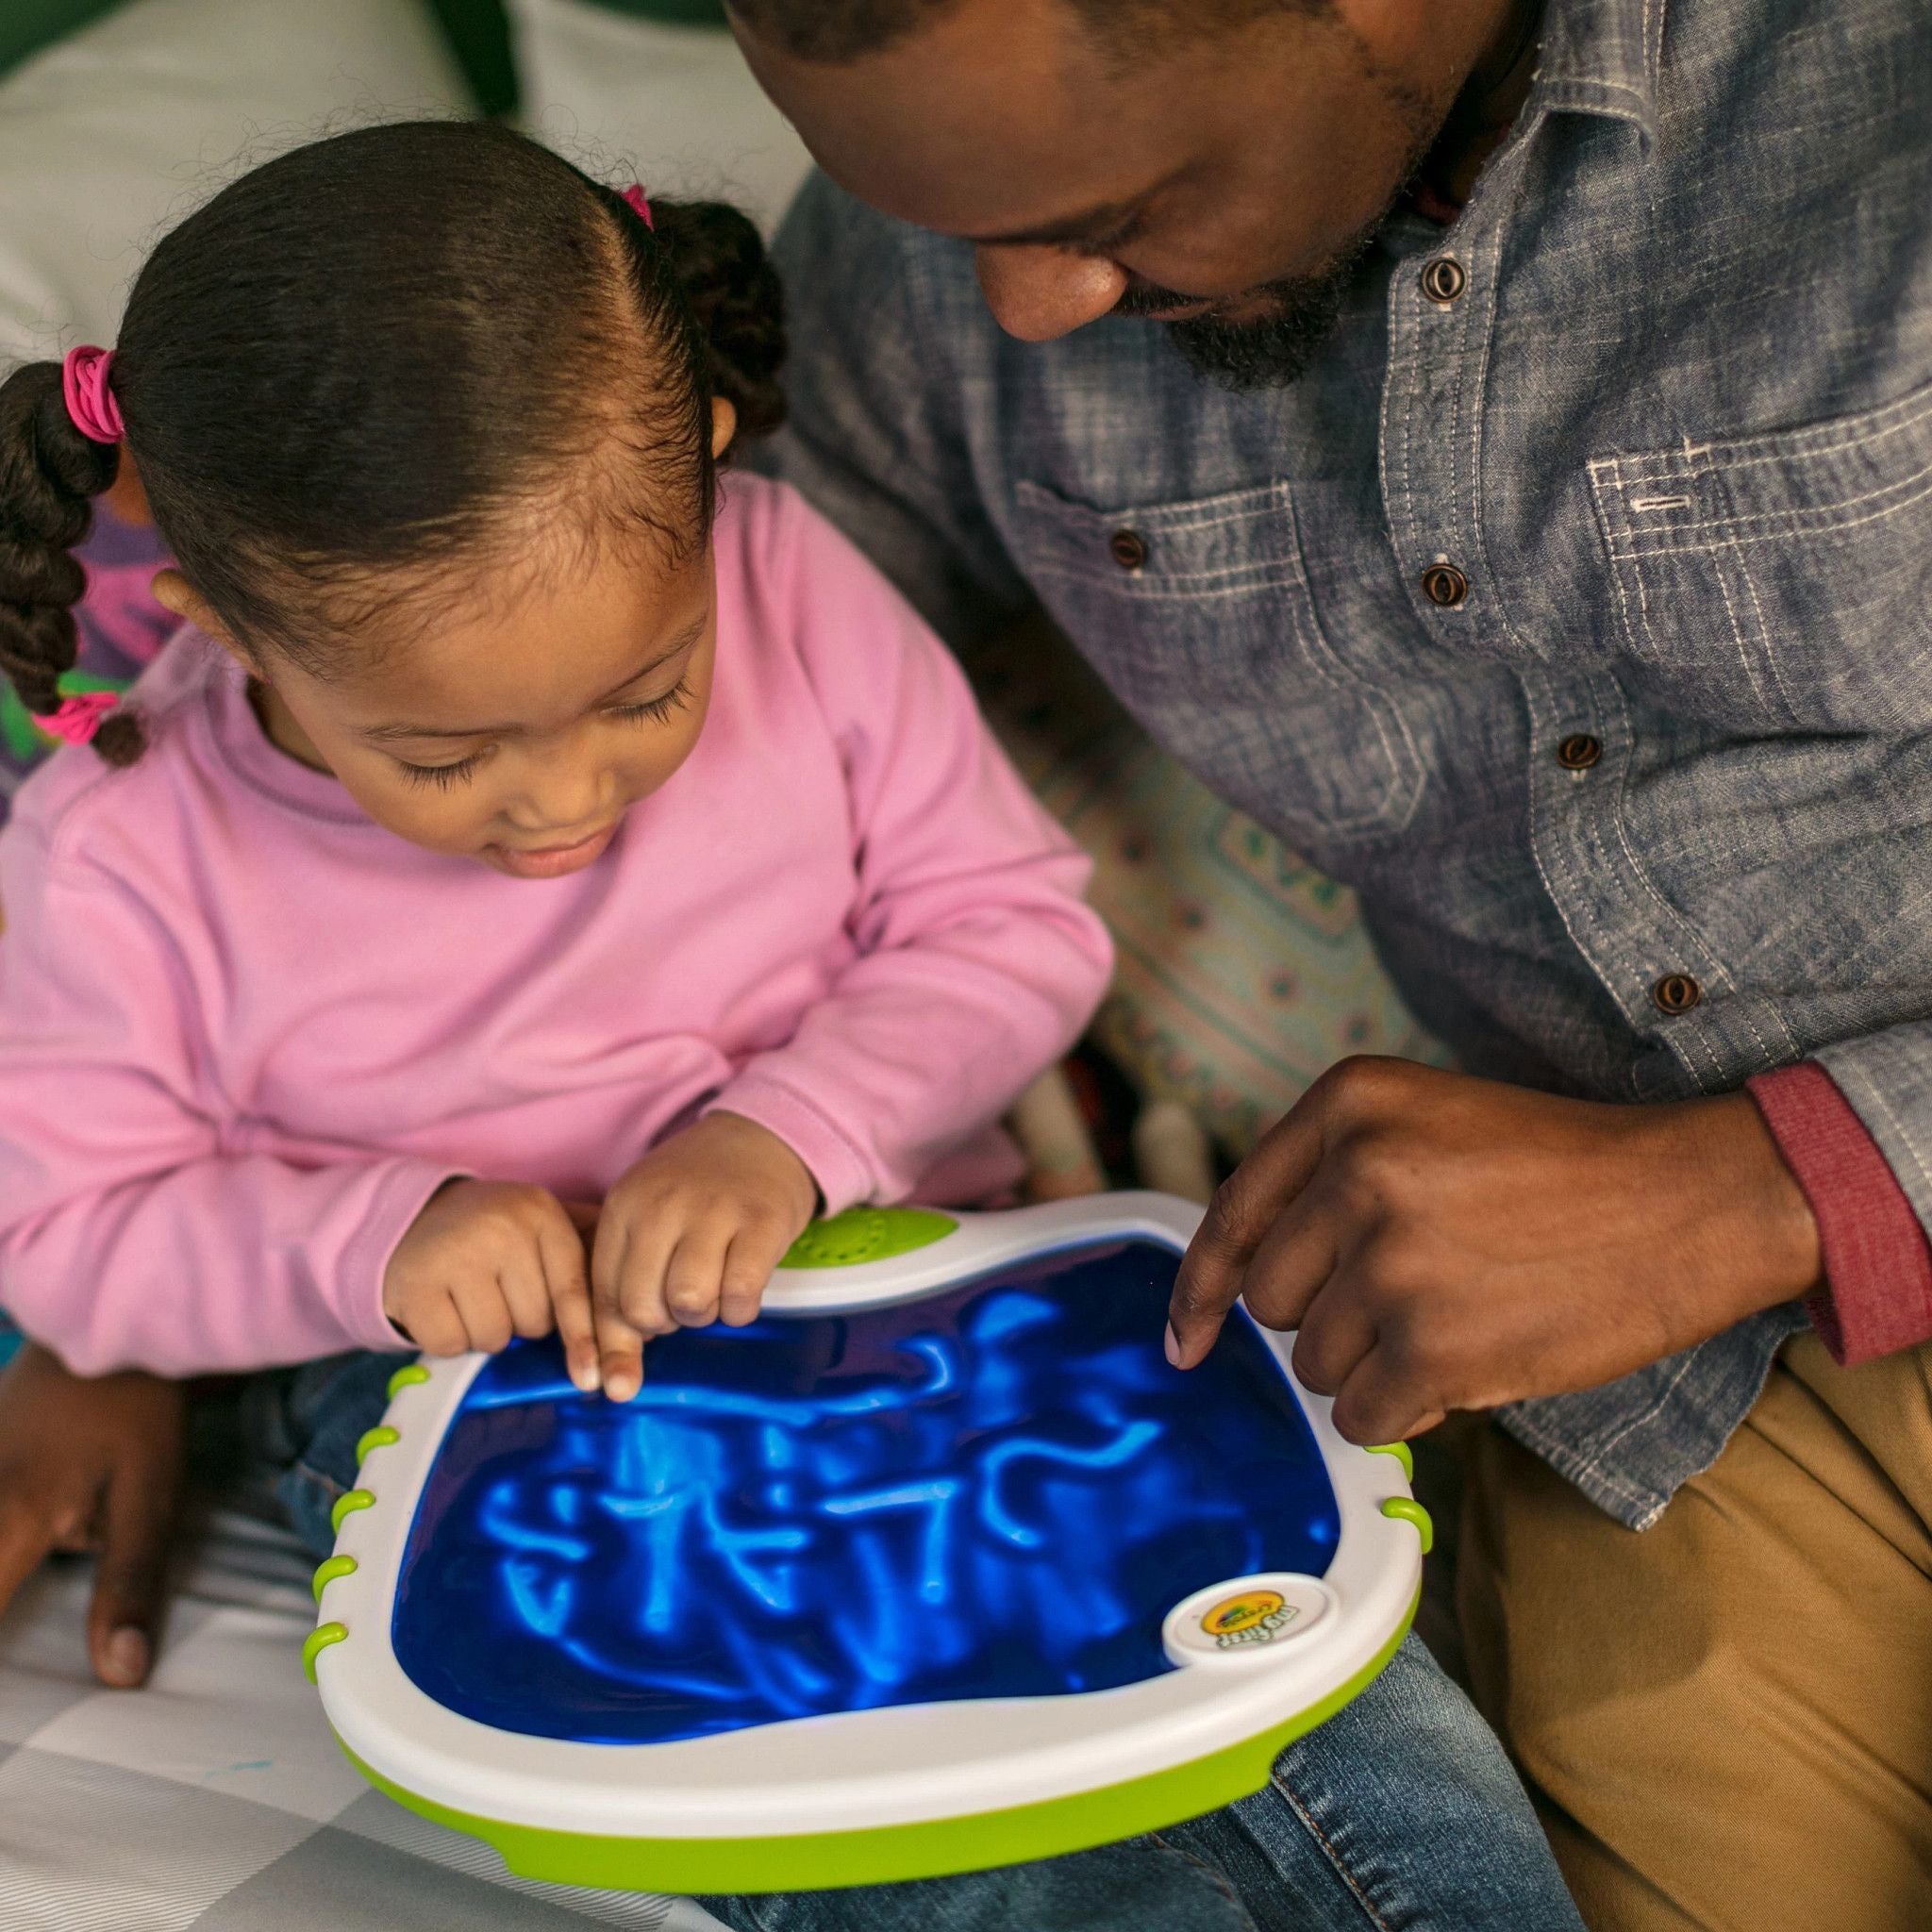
<point x="1877" y="1293"/>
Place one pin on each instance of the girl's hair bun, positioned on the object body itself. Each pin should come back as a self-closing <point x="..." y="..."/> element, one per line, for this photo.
<point x="734" y="296"/>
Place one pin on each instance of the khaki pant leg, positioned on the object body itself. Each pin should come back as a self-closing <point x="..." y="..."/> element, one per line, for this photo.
<point x="1726" y="1721"/>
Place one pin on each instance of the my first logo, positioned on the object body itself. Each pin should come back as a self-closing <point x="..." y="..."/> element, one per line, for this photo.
<point x="1255" y="1616"/>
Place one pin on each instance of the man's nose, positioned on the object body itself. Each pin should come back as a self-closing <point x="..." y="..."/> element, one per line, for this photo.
<point x="1037" y="292"/>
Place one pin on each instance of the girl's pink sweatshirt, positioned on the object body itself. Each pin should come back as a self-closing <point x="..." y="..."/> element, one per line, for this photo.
<point x="246" y="1033"/>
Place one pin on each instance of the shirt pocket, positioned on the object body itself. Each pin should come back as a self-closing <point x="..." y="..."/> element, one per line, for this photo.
<point x="1783" y="579"/>
<point x="1198" y="614"/>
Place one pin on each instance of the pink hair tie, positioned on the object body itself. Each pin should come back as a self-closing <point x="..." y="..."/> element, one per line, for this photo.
<point x="634" y="200"/>
<point x="78" y="718"/>
<point x="89" y="402"/>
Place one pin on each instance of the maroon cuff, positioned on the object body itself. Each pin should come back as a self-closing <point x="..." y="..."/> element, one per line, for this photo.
<point x="1877" y="1294"/>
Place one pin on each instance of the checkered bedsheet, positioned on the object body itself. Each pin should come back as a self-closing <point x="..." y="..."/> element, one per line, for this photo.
<point x="216" y="1799"/>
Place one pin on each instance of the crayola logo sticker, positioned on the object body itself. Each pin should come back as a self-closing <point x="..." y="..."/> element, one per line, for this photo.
<point x="1256" y="1615"/>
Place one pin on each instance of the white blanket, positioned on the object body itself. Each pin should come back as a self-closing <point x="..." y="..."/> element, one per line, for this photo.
<point x="216" y="1799"/>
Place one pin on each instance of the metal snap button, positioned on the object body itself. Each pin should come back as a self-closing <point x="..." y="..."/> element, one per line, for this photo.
<point x="1676" y="992"/>
<point x="1443" y="280"/>
<point x="1444" y="583"/>
<point x="1129" y="549"/>
<point x="1579" y="751"/>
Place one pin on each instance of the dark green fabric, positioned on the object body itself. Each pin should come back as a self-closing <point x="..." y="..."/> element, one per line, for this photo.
<point x="678" y="12"/>
<point x="27" y="25"/>
<point x="479" y="30"/>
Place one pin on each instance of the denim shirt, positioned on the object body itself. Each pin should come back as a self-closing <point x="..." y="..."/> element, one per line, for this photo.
<point x="1675" y="436"/>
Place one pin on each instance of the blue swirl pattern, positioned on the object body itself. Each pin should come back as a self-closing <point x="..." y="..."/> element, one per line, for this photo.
<point x="994" y="1492"/>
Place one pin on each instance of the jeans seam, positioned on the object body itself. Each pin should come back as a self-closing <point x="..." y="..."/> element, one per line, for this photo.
<point x="1216" y="1878"/>
<point x="306" y="1470"/>
<point x="1334" y="1858"/>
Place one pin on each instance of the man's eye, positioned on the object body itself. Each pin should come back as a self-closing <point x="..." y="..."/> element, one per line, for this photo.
<point x="441" y="776"/>
<point x="655" y="709"/>
<point x="1121" y="237"/>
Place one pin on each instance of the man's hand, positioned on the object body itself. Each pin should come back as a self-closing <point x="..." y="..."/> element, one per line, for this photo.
<point x="1447" y="1242"/>
<point x="690" y="1235"/>
<point x="92" y="1465"/>
<point x="488" y="1259"/>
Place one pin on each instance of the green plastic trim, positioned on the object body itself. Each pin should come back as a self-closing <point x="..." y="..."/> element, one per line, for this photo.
<point x="380" y="1437"/>
<point x="1406" y="1510"/>
<point x="1401" y="1451"/>
<point x="328" y="1570"/>
<point x="407" y="1378"/>
<point x="929" y="1850"/>
<point x="867" y="1234"/>
<point x="319" y="1640"/>
<point x="347" y="1503"/>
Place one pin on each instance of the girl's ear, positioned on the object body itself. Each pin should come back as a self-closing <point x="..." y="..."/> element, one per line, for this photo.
<point x="173" y="591"/>
<point x="724" y="427"/>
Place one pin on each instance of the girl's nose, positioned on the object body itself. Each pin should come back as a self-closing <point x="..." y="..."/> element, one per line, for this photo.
<point x="565" y="794"/>
<point x="1037" y="292"/>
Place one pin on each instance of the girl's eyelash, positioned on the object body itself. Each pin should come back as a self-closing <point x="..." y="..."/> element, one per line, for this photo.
<point x="655" y="709"/>
<point x="442" y="776"/>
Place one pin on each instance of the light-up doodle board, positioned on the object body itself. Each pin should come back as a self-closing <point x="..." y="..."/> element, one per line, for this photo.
<point x="939" y="1563"/>
<point x="1000" y="1491"/>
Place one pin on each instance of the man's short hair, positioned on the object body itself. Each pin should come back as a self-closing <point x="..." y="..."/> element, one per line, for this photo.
<point x="838" y="30"/>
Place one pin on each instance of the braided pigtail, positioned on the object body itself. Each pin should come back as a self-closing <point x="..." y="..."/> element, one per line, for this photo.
<point x="49" y="474"/>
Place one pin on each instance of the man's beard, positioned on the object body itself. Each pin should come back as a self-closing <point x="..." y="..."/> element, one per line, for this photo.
<point x="1276" y="348"/>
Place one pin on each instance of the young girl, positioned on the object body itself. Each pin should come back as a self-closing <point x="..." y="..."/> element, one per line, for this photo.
<point x="539" y="878"/>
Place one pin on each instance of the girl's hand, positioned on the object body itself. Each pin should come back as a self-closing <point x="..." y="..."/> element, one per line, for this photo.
<point x="690" y="1235"/>
<point x="488" y="1259"/>
<point x="92" y="1465"/>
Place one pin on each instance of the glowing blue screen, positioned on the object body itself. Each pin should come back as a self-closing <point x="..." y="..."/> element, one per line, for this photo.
<point x="997" y="1492"/>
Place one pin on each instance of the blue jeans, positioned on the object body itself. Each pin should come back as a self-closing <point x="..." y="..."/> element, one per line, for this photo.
<point x="1400" y="1814"/>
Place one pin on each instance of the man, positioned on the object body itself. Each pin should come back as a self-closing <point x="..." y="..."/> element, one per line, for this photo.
<point x="1492" y="443"/>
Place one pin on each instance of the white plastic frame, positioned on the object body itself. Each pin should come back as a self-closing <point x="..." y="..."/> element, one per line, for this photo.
<point x="857" y="1769"/>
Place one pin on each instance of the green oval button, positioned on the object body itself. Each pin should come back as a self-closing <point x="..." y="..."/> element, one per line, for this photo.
<point x="1406" y="1510"/>
<point x="406" y="1377"/>
<point x="347" y="1503"/>
<point x="319" y="1640"/>
<point x="328" y="1570"/>
<point x="867" y="1234"/>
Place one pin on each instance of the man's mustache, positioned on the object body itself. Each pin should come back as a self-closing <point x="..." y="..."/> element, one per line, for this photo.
<point x="1150" y="298"/>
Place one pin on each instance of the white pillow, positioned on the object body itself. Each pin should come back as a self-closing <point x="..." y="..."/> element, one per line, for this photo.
<point x="109" y="136"/>
<point x="675" y="106"/>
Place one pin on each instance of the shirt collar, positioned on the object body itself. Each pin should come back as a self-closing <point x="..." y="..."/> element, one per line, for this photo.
<point x="1601" y="56"/>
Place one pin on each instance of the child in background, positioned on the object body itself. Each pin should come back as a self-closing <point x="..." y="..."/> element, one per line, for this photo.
<point x="537" y="880"/>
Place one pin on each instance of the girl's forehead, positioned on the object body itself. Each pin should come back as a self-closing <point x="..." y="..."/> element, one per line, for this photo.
<point x="529" y="652"/>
